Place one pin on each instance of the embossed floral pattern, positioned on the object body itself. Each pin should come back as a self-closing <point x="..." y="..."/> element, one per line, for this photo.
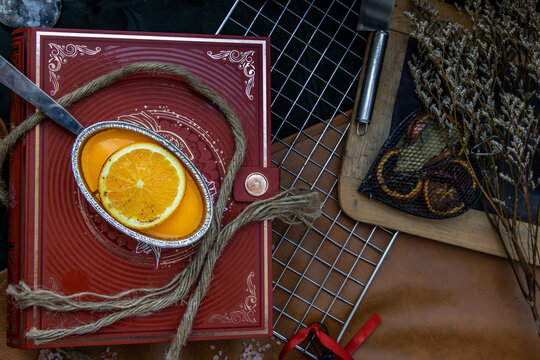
<point x="245" y="63"/>
<point x="247" y="308"/>
<point x="59" y="55"/>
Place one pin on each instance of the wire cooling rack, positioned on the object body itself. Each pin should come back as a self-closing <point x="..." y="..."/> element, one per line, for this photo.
<point x="320" y="274"/>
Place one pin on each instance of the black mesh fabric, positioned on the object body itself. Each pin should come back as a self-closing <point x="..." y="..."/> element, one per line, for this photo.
<point x="417" y="171"/>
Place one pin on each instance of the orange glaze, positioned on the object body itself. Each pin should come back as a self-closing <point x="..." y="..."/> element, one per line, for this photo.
<point x="99" y="147"/>
<point x="182" y="222"/>
<point x="185" y="219"/>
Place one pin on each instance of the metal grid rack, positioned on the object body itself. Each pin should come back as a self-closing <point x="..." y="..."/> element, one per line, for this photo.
<point x="320" y="274"/>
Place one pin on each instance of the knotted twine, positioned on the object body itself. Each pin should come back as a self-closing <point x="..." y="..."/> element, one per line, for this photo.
<point x="194" y="280"/>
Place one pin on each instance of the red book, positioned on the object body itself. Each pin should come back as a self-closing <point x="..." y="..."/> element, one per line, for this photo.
<point x="58" y="242"/>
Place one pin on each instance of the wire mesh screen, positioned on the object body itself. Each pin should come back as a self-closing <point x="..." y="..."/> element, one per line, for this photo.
<point x="320" y="274"/>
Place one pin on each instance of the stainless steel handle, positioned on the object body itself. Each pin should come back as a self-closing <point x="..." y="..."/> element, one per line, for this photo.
<point x="372" y="73"/>
<point x="21" y="85"/>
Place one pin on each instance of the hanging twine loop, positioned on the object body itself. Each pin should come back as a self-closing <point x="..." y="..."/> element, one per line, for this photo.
<point x="294" y="205"/>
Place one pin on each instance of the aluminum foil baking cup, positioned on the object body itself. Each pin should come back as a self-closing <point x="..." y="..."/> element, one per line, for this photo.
<point x="188" y="165"/>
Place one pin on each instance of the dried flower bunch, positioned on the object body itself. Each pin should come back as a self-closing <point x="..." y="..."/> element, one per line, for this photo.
<point x="481" y="80"/>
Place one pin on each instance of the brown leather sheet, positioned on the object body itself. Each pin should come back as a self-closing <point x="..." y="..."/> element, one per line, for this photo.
<point x="439" y="301"/>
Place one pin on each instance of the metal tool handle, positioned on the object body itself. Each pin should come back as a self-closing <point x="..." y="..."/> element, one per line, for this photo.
<point x="25" y="88"/>
<point x="371" y="79"/>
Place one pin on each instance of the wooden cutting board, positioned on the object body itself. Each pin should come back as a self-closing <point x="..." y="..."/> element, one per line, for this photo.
<point x="471" y="230"/>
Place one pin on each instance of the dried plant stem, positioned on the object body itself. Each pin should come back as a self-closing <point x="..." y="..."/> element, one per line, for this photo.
<point x="482" y="84"/>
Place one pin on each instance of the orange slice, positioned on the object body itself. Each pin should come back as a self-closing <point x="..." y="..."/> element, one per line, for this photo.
<point x="99" y="147"/>
<point x="141" y="185"/>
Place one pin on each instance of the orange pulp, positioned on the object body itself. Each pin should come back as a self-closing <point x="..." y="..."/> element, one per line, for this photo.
<point x="182" y="222"/>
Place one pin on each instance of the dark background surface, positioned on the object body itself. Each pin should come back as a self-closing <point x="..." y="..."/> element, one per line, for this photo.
<point x="179" y="16"/>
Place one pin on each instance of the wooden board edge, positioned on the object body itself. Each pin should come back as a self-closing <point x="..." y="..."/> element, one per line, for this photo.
<point x="471" y="230"/>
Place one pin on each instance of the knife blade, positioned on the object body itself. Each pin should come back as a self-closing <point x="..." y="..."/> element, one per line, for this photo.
<point x="25" y="88"/>
<point x="374" y="16"/>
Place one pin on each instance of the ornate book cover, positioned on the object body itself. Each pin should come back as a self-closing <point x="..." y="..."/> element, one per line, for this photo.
<point x="58" y="242"/>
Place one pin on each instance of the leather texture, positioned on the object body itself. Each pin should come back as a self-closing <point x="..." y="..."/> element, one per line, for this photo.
<point x="438" y="301"/>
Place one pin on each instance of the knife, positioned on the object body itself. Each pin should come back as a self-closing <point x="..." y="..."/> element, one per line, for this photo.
<point x="374" y="17"/>
<point x="25" y="88"/>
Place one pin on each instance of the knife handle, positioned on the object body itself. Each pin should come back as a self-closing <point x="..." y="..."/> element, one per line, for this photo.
<point x="372" y="72"/>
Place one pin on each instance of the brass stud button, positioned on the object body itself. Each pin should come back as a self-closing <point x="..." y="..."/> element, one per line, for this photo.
<point x="256" y="184"/>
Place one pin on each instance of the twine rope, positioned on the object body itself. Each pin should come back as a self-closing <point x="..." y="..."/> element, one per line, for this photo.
<point x="298" y="205"/>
